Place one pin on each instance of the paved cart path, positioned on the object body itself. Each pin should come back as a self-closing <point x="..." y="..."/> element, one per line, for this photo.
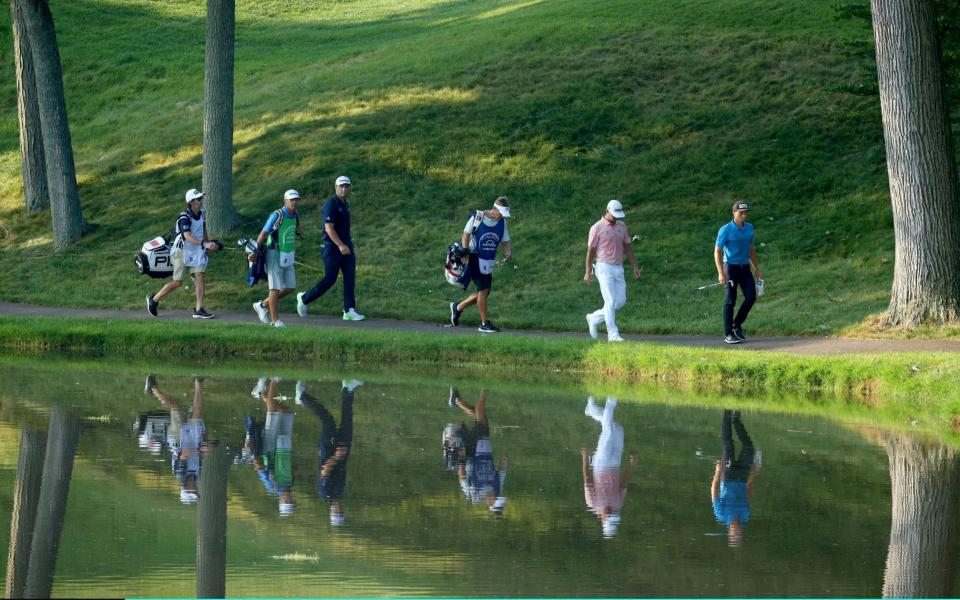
<point x="794" y="345"/>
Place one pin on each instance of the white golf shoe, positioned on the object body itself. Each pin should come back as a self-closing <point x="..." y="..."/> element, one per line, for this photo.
<point x="262" y="311"/>
<point x="301" y="307"/>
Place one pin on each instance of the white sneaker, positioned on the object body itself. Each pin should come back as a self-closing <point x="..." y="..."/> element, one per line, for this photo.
<point x="591" y="406"/>
<point x="352" y="315"/>
<point x="260" y="388"/>
<point x="301" y="307"/>
<point x="278" y="323"/>
<point x="301" y="388"/>
<point x="352" y="384"/>
<point x="592" y="327"/>
<point x="262" y="312"/>
<point x="614" y="338"/>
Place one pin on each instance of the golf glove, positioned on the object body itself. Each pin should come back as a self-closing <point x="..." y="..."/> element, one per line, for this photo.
<point x="760" y="288"/>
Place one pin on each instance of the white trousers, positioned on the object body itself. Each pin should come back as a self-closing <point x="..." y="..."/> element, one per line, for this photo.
<point x="613" y="288"/>
<point x="610" y="445"/>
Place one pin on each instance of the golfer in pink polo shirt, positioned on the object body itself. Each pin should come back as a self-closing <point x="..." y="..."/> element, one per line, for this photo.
<point x="606" y="245"/>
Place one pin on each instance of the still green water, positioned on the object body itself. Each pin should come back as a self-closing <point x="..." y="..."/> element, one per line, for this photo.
<point x="171" y="487"/>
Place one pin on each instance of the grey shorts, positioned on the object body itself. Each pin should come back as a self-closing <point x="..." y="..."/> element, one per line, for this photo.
<point x="278" y="423"/>
<point x="279" y="278"/>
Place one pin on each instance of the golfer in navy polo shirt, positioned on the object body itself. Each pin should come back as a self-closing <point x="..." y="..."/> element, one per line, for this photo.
<point x="734" y="254"/>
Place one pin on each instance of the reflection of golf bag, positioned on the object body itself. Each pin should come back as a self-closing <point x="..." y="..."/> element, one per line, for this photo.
<point x="453" y="446"/>
<point x="454" y="270"/>
<point x="258" y="263"/>
<point x="151" y="430"/>
<point x="154" y="259"/>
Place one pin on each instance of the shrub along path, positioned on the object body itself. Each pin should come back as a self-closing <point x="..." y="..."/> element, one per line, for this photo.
<point x="793" y="345"/>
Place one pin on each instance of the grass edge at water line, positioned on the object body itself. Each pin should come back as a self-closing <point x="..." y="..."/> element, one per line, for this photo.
<point x="918" y="380"/>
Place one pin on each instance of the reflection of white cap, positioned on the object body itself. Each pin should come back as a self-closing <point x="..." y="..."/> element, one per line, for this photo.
<point x="286" y="509"/>
<point x="336" y="520"/>
<point x="291" y="194"/>
<point x="610" y="526"/>
<point x="615" y="208"/>
<point x="188" y="496"/>
<point x="343" y="180"/>
<point x="192" y="194"/>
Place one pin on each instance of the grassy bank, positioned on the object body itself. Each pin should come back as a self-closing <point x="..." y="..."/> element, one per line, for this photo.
<point x="434" y="107"/>
<point x="919" y="384"/>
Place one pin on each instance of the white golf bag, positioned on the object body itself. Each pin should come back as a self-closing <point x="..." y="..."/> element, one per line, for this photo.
<point x="154" y="259"/>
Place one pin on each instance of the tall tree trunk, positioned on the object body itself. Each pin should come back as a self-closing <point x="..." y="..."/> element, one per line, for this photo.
<point x="212" y="526"/>
<point x="923" y="525"/>
<point x="32" y="162"/>
<point x="54" y="488"/>
<point x="26" y="496"/>
<point x="920" y="164"/>
<point x="65" y="213"/>
<point x="218" y="118"/>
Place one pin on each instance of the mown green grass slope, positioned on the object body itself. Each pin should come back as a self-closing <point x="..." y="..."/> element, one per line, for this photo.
<point x="433" y="108"/>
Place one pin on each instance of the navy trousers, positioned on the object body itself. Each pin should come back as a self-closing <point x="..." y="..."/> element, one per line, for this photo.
<point x="335" y="263"/>
<point x="738" y="276"/>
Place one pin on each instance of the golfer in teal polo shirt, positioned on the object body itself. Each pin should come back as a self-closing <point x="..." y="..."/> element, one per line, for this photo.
<point x="734" y="254"/>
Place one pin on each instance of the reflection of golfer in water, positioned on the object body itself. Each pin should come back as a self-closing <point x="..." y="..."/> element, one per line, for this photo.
<point x="479" y="479"/>
<point x="603" y="488"/>
<point x="335" y="445"/>
<point x="732" y="482"/>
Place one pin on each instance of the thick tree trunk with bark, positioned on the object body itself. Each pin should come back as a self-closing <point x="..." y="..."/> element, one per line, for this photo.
<point x="920" y="164"/>
<point x="26" y="496"/>
<point x="923" y="527"/>
<point x="212" y="526"/>
<point x="32" y="162"/>
<point x="62" y="439"/>
<point x="65" y="213"/>
<point x="218" y="118"/>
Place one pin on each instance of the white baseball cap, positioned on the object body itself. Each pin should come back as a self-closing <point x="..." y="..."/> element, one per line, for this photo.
<point x="610" y="526"/>
<point x="615" y="208"/>
<point x="192" y="194"/>
<point x="504" y="210"/>
<point x="343" y="180"/>
<point x="290" y="194"/>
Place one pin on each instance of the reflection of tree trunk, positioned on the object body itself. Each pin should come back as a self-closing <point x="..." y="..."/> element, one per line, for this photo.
<point x="62" y="439"/>
<point x="923" y="526"/>
<point x="212" y="526"/>
<point x="32" y="161"/>
<point x="26" y="495"/>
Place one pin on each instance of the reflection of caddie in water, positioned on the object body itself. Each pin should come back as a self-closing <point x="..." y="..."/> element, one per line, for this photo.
<point x="480" y="480"/>
<point x="603" y="489"/>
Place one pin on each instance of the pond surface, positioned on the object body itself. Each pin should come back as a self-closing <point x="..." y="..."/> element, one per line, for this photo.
<point x="119" y="484"/>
